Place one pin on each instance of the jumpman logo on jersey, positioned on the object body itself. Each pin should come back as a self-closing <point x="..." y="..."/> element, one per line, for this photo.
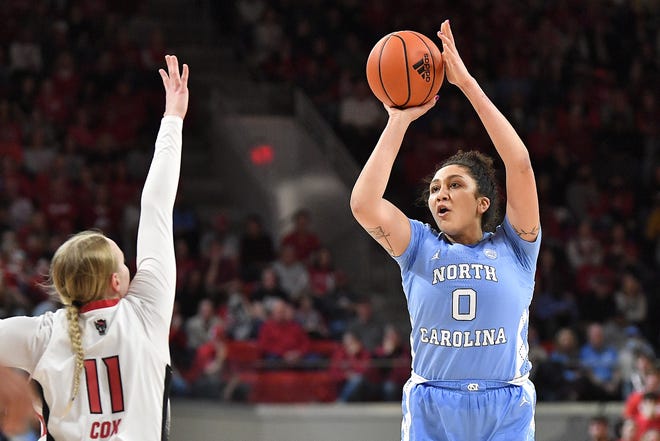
<point x="524" y="401"/>
<point x="436" y="256"/>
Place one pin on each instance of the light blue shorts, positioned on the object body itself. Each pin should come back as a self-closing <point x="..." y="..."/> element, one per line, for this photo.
<point x="468" y="411"/>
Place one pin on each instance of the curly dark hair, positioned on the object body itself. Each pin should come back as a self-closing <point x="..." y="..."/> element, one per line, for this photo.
<point x="481" y="168"/>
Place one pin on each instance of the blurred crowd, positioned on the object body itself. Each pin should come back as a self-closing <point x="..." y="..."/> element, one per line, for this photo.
<point x="579" y="82"/>
<point x="77" y="106"/>
<point x="247" y="301"/>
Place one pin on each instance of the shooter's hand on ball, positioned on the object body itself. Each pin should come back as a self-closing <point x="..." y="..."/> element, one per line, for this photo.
<point x="409" y="114"/>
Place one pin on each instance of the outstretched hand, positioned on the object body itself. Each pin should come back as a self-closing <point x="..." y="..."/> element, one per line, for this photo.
<point x="455" y="70"/>
<point x="176" y="87"/>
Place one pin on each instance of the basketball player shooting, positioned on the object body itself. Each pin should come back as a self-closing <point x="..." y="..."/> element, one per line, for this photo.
<point x="102" y="361"/>
<point x="469" y="284"/>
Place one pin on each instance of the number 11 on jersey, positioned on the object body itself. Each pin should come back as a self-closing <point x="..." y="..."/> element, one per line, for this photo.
<point x="114" y="383"/>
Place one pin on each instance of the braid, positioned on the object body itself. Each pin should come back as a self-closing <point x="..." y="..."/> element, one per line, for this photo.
<point x="75" y="335"/>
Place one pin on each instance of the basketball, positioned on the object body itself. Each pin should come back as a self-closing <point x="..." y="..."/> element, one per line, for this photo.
<point x="405" y="69"/>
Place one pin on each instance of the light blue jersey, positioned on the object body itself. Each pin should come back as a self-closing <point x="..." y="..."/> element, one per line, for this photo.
<point x="469" y="305"/>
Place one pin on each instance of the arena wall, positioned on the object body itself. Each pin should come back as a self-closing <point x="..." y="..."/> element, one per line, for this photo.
<point x="195" y="420"/>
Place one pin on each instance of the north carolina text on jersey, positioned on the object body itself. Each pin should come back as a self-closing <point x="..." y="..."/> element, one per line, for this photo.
<point x="464" y="271"/>
<point x="463" y="339"/>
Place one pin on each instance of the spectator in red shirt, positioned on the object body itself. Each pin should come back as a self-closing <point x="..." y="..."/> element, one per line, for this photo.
<point x="52" y="103"/>
<point x="81" y="130"/>
<point x="648" y="419"/>
<point x="210" y="376"/>
<point x="304" y="241"/>
<point x="349" y="367"/>
<point x="322" y="274"/>
<point x="60" y="207"/>
<point x="11" y="136"/>
<point x="633" y="404"/>
<point x="66" y="79"/>
<point x="281" y="338"/>
<point x="221" y="270"/>
<point x="392" y="363"/>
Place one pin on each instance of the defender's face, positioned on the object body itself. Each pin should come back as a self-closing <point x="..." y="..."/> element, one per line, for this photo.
<point x="455" y="204"/>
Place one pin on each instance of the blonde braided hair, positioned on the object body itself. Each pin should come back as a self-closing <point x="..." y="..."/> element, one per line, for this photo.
<point x="80" y="272"/>
<point x="75" y="335"/>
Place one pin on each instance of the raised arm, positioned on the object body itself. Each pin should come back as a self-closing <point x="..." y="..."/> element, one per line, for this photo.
<point x="522" y="207"/>
<point x="155" y="278"/>
<point x="388" y="225"/>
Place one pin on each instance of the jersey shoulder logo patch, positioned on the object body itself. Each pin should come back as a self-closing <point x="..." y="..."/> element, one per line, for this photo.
<point x="101" y="326"/>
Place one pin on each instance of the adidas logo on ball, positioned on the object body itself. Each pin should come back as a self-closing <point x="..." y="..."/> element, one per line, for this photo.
<point x="423" y="67"/>
<point x="392" y="64"/>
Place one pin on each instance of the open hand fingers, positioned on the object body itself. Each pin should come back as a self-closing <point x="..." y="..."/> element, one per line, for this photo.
<point x="447" y="45"/>
<point x="184" y="76"/>
<point x="175" y="82"/>
<point x="446" y="29"/>
<point x="446" y="36"/>
<point x="164" y="76"/>
<point x="173" y="78"/>
<point x="173" y="67"/>
<point x="449" y="52"/>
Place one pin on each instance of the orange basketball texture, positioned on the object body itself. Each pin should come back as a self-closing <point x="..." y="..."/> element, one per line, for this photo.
<point x="405" y="69"/>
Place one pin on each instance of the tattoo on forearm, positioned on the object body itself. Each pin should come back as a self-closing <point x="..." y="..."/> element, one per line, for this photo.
<point x="533" y="232"/>
<point x="381" y="236"/>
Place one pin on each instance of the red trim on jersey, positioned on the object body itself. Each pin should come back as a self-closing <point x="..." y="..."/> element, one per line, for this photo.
<point x="98" y="304"/>
<point x="42" y="423"/>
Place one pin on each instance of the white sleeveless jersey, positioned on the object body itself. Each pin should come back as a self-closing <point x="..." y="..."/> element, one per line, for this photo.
<point x="124" y="385"/>
<point x="469" y="305"/>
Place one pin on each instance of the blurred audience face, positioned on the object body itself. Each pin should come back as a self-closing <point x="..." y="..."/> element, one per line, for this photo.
<point x="652" y="381"/>
<point x="205" y="309"/>
<point x="288" y="255"/>
<point x="566" y="341"/>
<point x="599" y="429"/>
<point x="268" y="278"/>
<point x="352" y="343"/>
<point x="281" y="311"/>
<point x="595" y="335"/>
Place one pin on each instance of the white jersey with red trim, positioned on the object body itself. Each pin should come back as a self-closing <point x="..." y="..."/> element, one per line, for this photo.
<point x="124" y="385"/>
